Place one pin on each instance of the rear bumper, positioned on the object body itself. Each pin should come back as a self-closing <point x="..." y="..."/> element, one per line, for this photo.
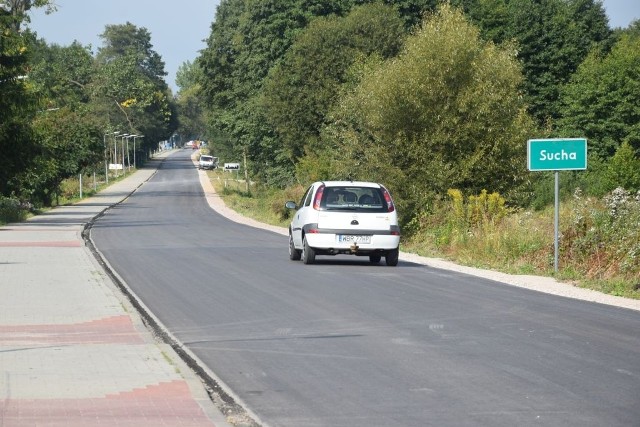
<point x="326" y="240"/>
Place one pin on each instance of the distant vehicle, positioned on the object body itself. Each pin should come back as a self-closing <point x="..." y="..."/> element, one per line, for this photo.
<point x="345" y="217"/>
<point x="207" y="162"/>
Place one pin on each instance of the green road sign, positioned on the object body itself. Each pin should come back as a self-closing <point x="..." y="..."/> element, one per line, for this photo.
<point x="557" y="154"/>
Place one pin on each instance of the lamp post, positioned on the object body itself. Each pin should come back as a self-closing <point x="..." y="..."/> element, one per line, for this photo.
<point x="106" y="166"/>
<point x="134" y="148"/>
<point x="122" y="137"/>
<point x="106" y="160"/>
<point x="128" y="162"/>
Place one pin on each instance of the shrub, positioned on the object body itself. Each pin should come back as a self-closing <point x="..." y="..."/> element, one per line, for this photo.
<point x="603" y="238"/>
<point x="623" y="169"/>
<point x="12" y="210"/>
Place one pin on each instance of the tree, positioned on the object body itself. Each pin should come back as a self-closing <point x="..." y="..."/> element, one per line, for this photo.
<point x="491" y="16"/>
<point x="190" y="102"/>
<point x="446" y="113"/>
<point x="129" y="90"/>
<point x="412" y="11"/>
<point x="127" y="40"/>
<point x="601" y="100"/>
<point x="19" y="8"/>
<point x="61" y="75"/>
<point x="247" y="39"/>
<point x="17" y="103"/>
<point x="554" y="37"/>
<point x="68" y="143"/>
<point x="302" y="88"/>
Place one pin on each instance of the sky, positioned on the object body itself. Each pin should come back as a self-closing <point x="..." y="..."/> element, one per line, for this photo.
<point x="179" y="29"/>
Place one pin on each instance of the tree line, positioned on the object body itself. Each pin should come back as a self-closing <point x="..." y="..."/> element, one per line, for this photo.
<point x="421" y="95"/>
<point x="62" y="107"/>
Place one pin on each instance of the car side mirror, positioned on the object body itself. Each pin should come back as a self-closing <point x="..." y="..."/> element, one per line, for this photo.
<point x="291" y="205"/>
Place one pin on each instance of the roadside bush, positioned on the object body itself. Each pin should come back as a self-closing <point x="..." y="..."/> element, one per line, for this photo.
<point x="603" y="238"/>
<point x="12" y="210"/>
<point x="623" y="169"/>
<point x="479" y="213"/>
<point x="277" y="205"/>
<point x="457" y="221"/>
<point x="69" y="189"/>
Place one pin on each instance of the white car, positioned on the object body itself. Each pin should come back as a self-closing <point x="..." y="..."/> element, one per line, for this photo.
<point x="345" y="217"/>
<point x="207" y="162"/>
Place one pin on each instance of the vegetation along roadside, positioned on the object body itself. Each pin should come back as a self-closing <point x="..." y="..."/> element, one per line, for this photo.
<point x="599" y="237"/>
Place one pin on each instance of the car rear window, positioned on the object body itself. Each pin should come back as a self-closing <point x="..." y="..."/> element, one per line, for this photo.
<point x="360" y="199"/>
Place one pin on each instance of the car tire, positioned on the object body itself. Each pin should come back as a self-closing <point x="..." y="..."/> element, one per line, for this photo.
<point x="375" y="258"/>
<point x="294" y="254"/>
<point x="308" y="253"/>
<point x="391" y="257"/>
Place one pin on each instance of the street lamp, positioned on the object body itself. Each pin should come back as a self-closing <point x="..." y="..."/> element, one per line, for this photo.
<point x="128" y="162"/>
<point x="122" y="137"/>
<point x="134" y="148"/>
<point x="104" y="141"/>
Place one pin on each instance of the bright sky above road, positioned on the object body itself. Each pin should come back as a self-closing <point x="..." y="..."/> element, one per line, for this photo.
<point x="178" y="29"/>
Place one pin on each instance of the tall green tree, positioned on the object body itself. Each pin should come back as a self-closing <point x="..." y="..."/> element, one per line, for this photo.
<point x="62" y="75"/>
<point x="446" y="113"/>
<point x="248" y="37"/>
<point x="191" y="102"/>
<point x="412" y="11"/>
<point x="69" y="143"/>
<point x="554" y="37"/>
<point x="18" y="10"/>
<point x="302" y="88"/>
<point x="127" y="40"/>
<point x="129" y="89"/>
<point x="17" y="103"/>
<point x="601" y="100"/>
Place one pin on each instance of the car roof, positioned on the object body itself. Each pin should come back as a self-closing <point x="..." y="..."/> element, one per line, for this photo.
<point x="349" y="184"/>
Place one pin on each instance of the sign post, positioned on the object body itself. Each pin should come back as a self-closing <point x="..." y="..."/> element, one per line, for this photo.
<point x="556" y="155"/>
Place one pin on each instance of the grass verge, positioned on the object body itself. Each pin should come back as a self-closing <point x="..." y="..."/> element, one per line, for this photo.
<point x="599" y="239"/>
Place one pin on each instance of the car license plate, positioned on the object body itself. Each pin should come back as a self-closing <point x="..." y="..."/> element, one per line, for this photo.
<point x="348" y="238"/>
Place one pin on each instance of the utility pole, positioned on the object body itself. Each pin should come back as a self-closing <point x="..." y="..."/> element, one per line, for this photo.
<point x="246" y="172"/>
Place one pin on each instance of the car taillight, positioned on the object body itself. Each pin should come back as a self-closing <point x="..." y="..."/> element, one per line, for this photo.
<point x="387" y="198"/>
<point x="316" y="200"/>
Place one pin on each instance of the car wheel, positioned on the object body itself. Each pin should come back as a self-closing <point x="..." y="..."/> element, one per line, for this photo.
<point x="294" y="254"/>
<point x="375" y="258"/>
<point x="308" y="254"/>
<point x="391" y="258"/>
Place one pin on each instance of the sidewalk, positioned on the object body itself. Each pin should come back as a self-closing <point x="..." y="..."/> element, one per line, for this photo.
<point x="73" y="351"/>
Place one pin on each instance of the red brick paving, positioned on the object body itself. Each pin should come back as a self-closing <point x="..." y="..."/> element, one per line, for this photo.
<point x="109" y="330"/>
<point x="164" y="404"/>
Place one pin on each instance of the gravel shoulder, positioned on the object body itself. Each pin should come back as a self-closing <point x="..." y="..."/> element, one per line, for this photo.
<point x="537" y="283"/>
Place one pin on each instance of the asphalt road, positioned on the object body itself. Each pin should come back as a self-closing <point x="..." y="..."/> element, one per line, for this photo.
<point x="344" y="343"/>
